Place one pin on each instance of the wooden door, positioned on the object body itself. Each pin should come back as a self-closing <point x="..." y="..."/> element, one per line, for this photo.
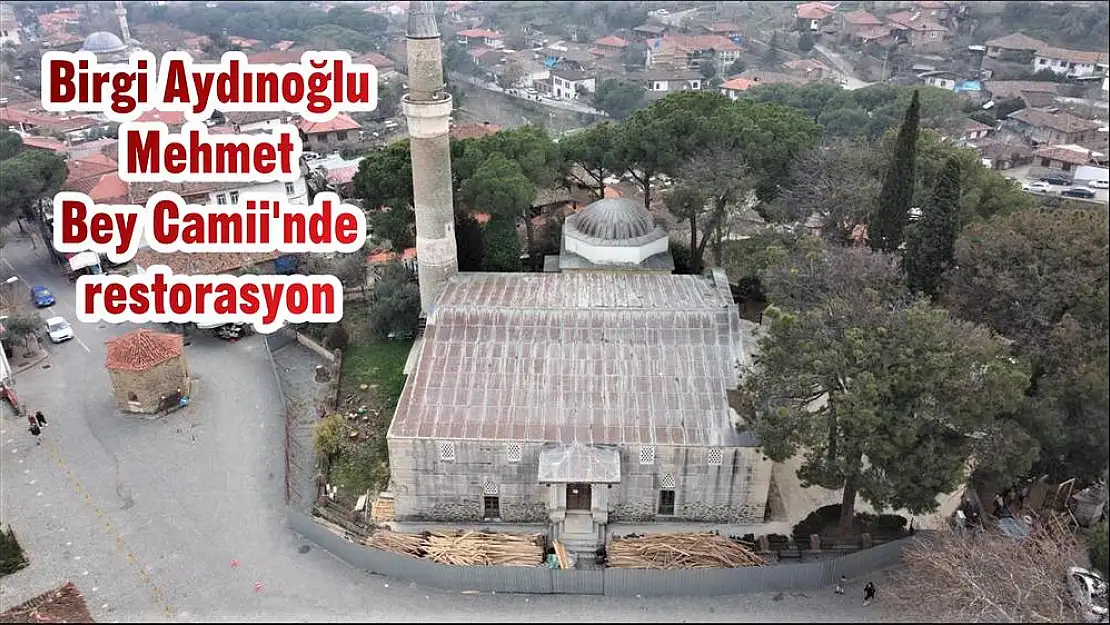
<point x="578" y="497"/>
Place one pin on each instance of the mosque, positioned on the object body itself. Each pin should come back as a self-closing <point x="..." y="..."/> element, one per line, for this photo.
<point x="106" y="46"/>
<point x="593" y="393"/>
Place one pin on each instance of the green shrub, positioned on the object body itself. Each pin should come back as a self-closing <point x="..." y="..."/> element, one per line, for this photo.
<point x="11" y="553"/>
<point x="1099" y="548"/>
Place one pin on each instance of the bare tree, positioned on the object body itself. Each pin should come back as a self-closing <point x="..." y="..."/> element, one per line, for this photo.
<point x="720" y="174"/>
<point x="981" y="577"/>
<point x="838" y="184"/>
<point x="814" y="273"/>
<point x="349" y="268"/>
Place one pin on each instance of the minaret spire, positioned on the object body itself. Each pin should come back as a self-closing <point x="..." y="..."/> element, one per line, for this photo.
<point x="124" y="31"/>
<point x="427" y="107"/>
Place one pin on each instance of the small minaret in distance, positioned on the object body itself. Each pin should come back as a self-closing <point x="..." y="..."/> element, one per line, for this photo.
<point x="124" y="31"/>
<point x="427" y="107"/>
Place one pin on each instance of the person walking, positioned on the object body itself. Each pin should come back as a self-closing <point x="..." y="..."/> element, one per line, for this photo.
<point x="868" y="593"/>
<point x="40" y="418"/>
<point x="840" y="585"/>
<point x="36" y="431"/>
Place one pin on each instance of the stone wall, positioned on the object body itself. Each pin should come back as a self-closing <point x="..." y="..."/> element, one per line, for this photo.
<point x="142" y="391"/>
<point x="426" y="488"/>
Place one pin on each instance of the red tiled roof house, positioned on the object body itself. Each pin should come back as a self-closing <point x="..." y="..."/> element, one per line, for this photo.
<point x="326" y="136"/>
<point x="147" y="370"/>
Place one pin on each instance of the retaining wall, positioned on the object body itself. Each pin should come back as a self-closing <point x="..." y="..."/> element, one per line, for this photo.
<point x="612" y="582"/>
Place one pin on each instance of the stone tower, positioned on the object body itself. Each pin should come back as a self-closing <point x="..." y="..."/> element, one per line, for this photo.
<point x="427" y="107"/>
<point x="124" y="31"/>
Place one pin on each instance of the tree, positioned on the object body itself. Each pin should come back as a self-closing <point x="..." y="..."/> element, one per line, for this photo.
<point x="593" y="150"/>
<point x="896" y="196"/>
<point x="384" y="177"/>
<point x="812" y="272"/>
<point x="331" y="433"/>
<point x="619" y="98"/>
<point x="708" y="69"/>
<point x="720" y="173"/>
<point x="511" y="76"/>
<point x="818" y="188"/>
<point x="395" y="311"/>
<point x="23" y="326"/>
<point x="11" y="144"/>
<point x="736" y="67"/>
<point x="771" y="56"/>
<point x="469" y="242"/>
<point x="805" y="41"/>
<point x="396" y="225"/>
<point x="349" y="268"/>
<point x="500" y="188"/>
<point x="502" y="246"/>
<point x="986" y="577"/>
<point x="338" y="337"/>
<point x="1041" y="279"/>
<point x="931" y="241"/>
<point x="1099" y="547"/>
<point x="27" y="178"/>
<point x="687" y="202"/>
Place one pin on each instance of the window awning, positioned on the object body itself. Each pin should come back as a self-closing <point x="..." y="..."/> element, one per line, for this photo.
<point x="579" y="464"/>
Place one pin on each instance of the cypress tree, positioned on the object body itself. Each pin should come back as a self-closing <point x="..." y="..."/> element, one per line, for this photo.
<point x="896" y="196"/>
<point x="930" y="243"/>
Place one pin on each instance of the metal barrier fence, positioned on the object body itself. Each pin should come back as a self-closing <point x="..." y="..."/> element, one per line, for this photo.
<point x="611" y="582"/>
<point x="274" y="342"/>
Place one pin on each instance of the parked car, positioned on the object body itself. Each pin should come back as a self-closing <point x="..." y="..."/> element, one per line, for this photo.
<point x="1037" y="187"/>
<point x="1057" y="179"/>
<point x="1080" y="192"/>
<point x="1099" y="184"/>
<point x="41" y="296"/>
<point x="59" y="330"/>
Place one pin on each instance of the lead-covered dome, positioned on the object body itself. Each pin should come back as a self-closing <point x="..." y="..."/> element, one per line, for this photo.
<point x="615" y="219"/>
<point x="103" y="42"/>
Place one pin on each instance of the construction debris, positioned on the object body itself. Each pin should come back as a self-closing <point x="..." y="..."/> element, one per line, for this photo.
<point x="563" y="557"/>
<point x="481" y="549"/>
<point x="680" y="551"/>
<point x="397" y="542"/>
<point x="382" y="510"/>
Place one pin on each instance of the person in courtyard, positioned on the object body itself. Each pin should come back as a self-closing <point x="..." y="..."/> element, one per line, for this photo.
<point x="840" y="585"/>
<point x="36" y="431"/>
<point x="868" y="593"/>
<point x="40" y="419"/>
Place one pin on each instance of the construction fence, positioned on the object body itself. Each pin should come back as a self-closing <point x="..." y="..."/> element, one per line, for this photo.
<point x="611" y="582"/>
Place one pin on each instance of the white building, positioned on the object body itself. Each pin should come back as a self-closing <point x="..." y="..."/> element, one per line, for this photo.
<point x="253" y="122"/>
<point x="9" y="26"/>
<point x="295" y="192"/>
<point x="1074" y="63"/>
<point x="570" y="84"/>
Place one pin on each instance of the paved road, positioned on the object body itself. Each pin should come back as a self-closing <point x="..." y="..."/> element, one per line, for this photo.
<point x="844" y="68"/>
<point x="146" y="516"/>
<point x="565" y="105"/>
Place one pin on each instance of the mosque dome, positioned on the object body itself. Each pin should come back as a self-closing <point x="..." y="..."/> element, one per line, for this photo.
<point x="614" y="219"/>
<point x="103" y="43"/>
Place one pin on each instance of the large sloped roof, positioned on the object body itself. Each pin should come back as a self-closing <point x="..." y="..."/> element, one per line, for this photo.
<point x="587" y="357"/>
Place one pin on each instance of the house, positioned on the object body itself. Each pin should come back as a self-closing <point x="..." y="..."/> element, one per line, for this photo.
<point x="338" y="172"/>
<point x="208" y="263"/>
<point x="1035" y="94"/>
<point x="9" y="27"/>
<point x="973" y="131"/>
<point x="733" y="87"/>
<point x="916" y="30"/>
<point x="650" y="31"/>
<point x="323" y="137"/>
<point x="172" y="119"/>
<point x="74" y="128"/>
<point x="852" y="22"/>
<point x="1015" y="48"/>
<point x="813" y="16"/>
<point x="1050" y="126"/>
<point x="532" y="70"/>
<point x="251" y="122"/>
<point x="481" y="37"/>
<point x="611" y="43"/>
<point x="1071" y="63"/>
<point x="808" y="70"/>
<point x="1057" y="160"/>
<point x="385" y="65"/>
<point x="473" y="131"/>
<point x="453" y="10"/>
<point x="690" y="51"/>
<point x="148" y="370"/>
<point x="761" y="77"/>
<point x="934" y="10"/>
<point x="941" y="79"/>
<point x="570" y="84"/>
<point x="244" y="43"/>
<point x="220" y="193"/>
<point x="723" y="29"/>
<point x="97" y="176"/>
<point x="43" y="143"/>
<point x="664" y="80"/>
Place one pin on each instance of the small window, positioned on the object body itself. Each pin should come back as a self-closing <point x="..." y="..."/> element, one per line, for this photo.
<point x="716" y="456"/>
<point x="666" y="503"/>
<point x="447" y="452"/>
<point x="666" y="481"/>
<point x="489" y="489"/>
<point x="290" y="189"/>
<point x="1065" y="166"/>
<point x="342" y="135"/>
<point x="221" y="198"/>
<point x="234" y="197"/>
<point x="133" y="398"/>
<point x="647" y="455"/>
<point x="514" y="452"/>
<point x="491" y="508"/>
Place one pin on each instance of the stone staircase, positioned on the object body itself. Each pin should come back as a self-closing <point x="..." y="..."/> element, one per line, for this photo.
<point x="579" y="535"/>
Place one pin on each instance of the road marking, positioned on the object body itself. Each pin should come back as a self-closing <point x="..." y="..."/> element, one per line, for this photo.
<point x="155" y="590"/>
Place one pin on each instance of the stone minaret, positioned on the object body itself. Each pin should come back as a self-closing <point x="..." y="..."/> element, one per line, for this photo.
<point x="427" y="106"/>
<point x="124" y="31"/>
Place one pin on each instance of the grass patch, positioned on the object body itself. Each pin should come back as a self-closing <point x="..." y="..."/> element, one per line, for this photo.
<point x="378" y="365"/>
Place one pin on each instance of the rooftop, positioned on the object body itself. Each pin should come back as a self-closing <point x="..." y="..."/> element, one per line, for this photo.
<point x="914" y="21"/>
<point x="861" y="18"/>
<point x="479" y="33"/>
<point x="61" y="605"/>
<point x="473" y="131"/>
<point x="612" y="42"/>
<point x="1063" y="155"/>
<point x="169" y="118"/>
<point x="141" y="350"/>
<point x="613" y="219"/>
<point x="1063" y="122"/>
<point x="204" y="263"/>
<point x="336" y="124"/>
<point x="1017" y="42"/>
<point x="587" y="357"/>
<point x="814" y="10"/>
<point x="695" y="43"/>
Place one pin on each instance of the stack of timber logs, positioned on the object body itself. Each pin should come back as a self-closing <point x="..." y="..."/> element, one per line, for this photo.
<point x="397" y="542"/>
<point x="481" y="549"/>
<point x="680" y="551"/>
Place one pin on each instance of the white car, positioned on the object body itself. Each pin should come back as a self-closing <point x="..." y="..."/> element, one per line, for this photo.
<point x="1038" y="187"/>
<point x="59" y="330"/>
<point x="1099" y="184"/>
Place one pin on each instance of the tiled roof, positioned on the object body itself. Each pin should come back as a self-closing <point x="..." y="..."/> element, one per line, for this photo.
<point x="870" y="33"/>
<point x="276" y="57"/>
<point x="1006" y="89"/>
<point x="1074" y="56"/>
<point x="806" y="65"/>
<point x="61" y="605"/>
<point x="913" y="21"/>
<point x="737" y="84"/>
<point x="814" y="11"/>
<point x="44" y="143"/>
<point x="934" y="5"/>
<point x="612" y="41"/>
<point x="89" y="166"/>
<point x="140" y="192"/>
<point x="109" y="189"/>
<point x="342" y="175"/>
<point x="252" y="117"/>
<point x="479" y="33"/>
<point x="594" y="358"/>
<point x="970" y="125"/>
<point x="695" y="43"/>
<point x="722" y="27"/>
<point x="861" y="18"/>
<point x="381" y="258"/>
<point x="169" y="118"/>
<point x="12" y="116"/>
<point x="379" y="61"/>
<point x="1018" y="41"/>
<point x="1064" y="155"/>
<point x="338" y="123"/>
<point x="142" y="349"/>
<point x="202" y="264"/>
<point x="283" y="45"/>
<point x="1063" y="122"/>
<point x="761" y="77"/>
<point x="473" y="131"/>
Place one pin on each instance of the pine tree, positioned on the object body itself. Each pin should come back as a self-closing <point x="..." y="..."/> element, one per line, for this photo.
<point x="931" y="242"/>
<point x="888" y="224"/>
